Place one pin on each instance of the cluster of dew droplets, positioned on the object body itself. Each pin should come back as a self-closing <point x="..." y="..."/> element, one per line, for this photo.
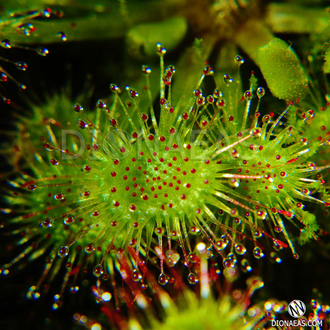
<point x="63" y="251"/>
<point x="222" y="243"/>
<point x="171" y="257"/>
<point x="230" y="261"/>
<point x="239" y="299"/>
<point x="27" y="29"/>
<point x="320" y="311"/>
<point x="236" y="178"/>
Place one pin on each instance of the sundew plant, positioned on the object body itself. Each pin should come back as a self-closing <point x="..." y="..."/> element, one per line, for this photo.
<point x="147" y="187"/>
<point x="23" y="23"/>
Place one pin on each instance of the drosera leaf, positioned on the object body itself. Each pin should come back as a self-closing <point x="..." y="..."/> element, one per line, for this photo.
<point x="298" y="19"/>
<point x="133" y="188"/>
<point x="282" y="69"/>
<point x="141" y="39"/>
<point x="326" y="65"/>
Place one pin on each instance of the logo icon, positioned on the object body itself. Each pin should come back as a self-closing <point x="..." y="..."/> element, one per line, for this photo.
<point x="296" y="308"/>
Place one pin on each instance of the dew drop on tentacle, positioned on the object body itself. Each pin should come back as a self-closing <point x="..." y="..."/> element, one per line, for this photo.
<point x="245" y="265"/>
<point x="5" y="43"/>
<point x="78" y="108"/>
<point x="227" y="79"/>
<point x="100" y="104"/>
<point x="26" y="29"/>
<point x="161" y="51"/>
<point x="114" y="88"/>
<point x="257" y="252"/>
<point x="222" y="243"/>
<point x="90" y="248"/>
<point x="192" y="278"/>
<point x="32" y="187"/>
<point x="59" y="197"/>
<point x="146" y="69"/>
<point x="3" y="77"/>
<point x="21" y="66"/>
<point x="275" y="258"/>
<point x="136" y="276"/>
<point x="261" y="92"/>
<point x="54" y="162"/>
<point x="82" y="124"/>
<point x="232" y="258"/>
<point x="62" y="36"/>
<point x="239" y="59"/>
<point x="208" y="70"/>
<point x="227" y="263"/>
<point x="69" y="220"/>
<point x="98" y="271"/>
<point x="6" y="100"/>
<point x="240" y="249"/>
<point x="47" y="223"/>
<point x="172" y="258"/>
<point x="132" y="93"/>
<point x="248" y="95"/>
<point x="33" y="293"/>
<point x="42" y="51"/>
<point x="63" y="251"/>
<point x="162" y="279"/>
<point x="57" y="302"/>
<point x="74" y="289"/>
